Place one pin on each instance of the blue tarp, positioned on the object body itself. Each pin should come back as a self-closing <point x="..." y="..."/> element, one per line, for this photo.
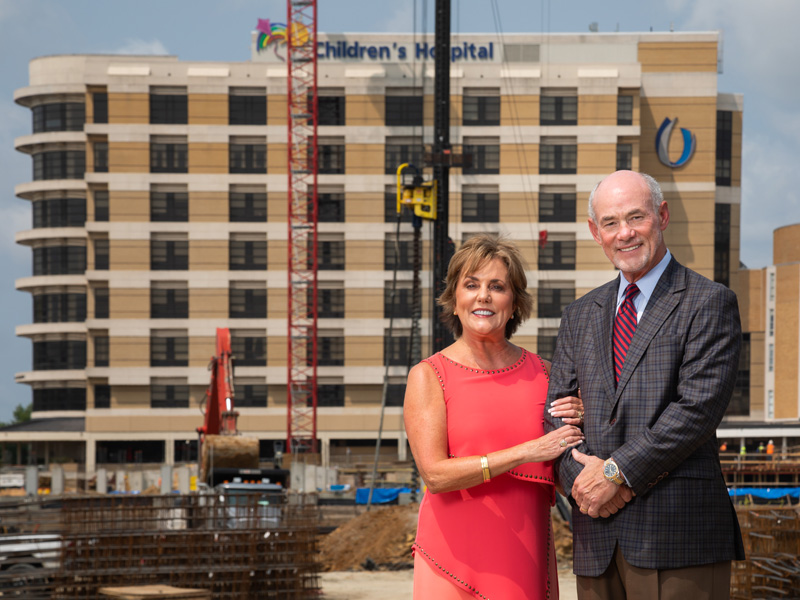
<point x="766" y="493"/>
<point x="379" y="495"/>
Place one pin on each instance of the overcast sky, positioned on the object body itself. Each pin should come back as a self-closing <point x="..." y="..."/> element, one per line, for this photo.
<point x="761" y="50"/>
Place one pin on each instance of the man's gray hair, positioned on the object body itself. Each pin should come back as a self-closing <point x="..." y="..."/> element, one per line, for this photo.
<point x="656" y="195"/>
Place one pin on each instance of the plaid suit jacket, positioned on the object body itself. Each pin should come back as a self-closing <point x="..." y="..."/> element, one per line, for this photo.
<point x="659" y="423"/>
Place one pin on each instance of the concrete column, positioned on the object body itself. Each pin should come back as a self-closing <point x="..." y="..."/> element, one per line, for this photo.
<point x="56" y="480"/>
<point x="166" y="479"/>
<point x="101" y="484"/>
<point x="120" y="480"/>
<point x="31" y="480"/>
<point x="325" y="451"/>
<point x="169" y="452"/>
<point x="91" y="456"/>
<point x="184" y="480"/>
<point x="402" y="454"/>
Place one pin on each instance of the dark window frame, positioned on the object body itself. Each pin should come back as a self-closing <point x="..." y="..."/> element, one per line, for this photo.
<point x="486" y="111"/>
<point x="59" y="212"/>
<point x="169" y="157"/>
<point x="175" y="255"/>
<point x="247" y="158"/>
<point x="169" y="206"/>
<point x="169" y="109"/>
<point x="558" y="110"/>
<point x="247" y="207"/>
<point x="480" y="207"/>
<point x="247" y="109"/>
<point x="556" y="256"/>
<point x="485" y="159"/>
<point x="247" y="255"/>
<point x="558" y="159"/>
<point x="404" y="111"/>
<point x="59" y="116"/>
<point x="169" y="303"/>
<point x="253" y="302"/>
<point x="169" y="395"/>
<point x="169" y="351"/>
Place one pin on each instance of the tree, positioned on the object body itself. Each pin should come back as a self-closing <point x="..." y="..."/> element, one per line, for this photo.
<point x="21" y="414"/>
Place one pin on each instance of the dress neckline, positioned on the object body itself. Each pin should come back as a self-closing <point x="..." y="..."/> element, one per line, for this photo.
<point x="511" y="367"/>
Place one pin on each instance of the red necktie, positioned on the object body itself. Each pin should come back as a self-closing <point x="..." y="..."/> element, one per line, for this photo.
<point x="624" y="328"/>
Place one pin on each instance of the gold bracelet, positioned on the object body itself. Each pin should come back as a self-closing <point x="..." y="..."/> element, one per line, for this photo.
<point x="487" y="476"/>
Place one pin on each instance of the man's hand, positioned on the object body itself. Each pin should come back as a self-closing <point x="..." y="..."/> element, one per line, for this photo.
<point x="596" y="495"/>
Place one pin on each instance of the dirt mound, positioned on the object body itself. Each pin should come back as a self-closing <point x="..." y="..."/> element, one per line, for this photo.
<point x="382" y="535"/>
<point x="382" y="539"/>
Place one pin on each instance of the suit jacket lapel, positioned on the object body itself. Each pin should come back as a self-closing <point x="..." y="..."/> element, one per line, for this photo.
<point x="602" y="325"/>
<point x="664" y="300"/>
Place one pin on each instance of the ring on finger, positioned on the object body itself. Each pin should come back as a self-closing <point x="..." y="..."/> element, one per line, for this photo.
<point x="580" y="415"/>
<point x="563" y="443"/>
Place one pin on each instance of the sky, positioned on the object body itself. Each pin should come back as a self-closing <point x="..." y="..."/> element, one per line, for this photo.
<point x="761" y="50"/>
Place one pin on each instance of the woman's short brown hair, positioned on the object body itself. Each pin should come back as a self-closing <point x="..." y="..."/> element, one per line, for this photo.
<point x="473" y="254"/>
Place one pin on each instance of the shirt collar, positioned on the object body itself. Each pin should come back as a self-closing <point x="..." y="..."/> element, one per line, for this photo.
<point x="647" y="283"/>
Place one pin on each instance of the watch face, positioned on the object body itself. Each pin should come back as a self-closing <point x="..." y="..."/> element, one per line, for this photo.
<point x="610" y="470"/>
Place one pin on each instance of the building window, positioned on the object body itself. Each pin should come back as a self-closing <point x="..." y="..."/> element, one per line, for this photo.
<point x="102" y="396"/>
<point x="59" y="355"/>
<point x="168" y="302"/>
<point x="330" y="253"/>
<point x="100" y="157"/>
<point x="403" y="109"/>
<point x="60" y="116"/>
<point x="101" y="254"/>
<point x="330" y="107"/>
<point x="330" y="157"/>
<point x="557" y="157"/>
<point x="553" y="300"/>
<point x="168" y="106"/>
<point x="247" y="106"/>
<point x="724" y="147"/>
<point x="546" y="343"/>
<point x="330" y="207"/>
<point x="251" y="395"/>
<point x="249" y="350"/>
<point x="402" y="307"/>
<point x="59" y="212"/>
<point x="395" y="394"/>
<point x="101" y="298"/>
<point x="169" y="349"/>
<point x="59" y="164"/>
<point x="557" y="207"/>
<point x="100" y="205"/>
<point x="481" y="106"/>
<point x="100" y="107"/>
<point x="169" y="154"/>
<point x="722" y="243"/>
<point x="247" y="303"/>
<point x="521" y="53"/>
<point x="485" y="153"/>
<point x="247" y="252"/>
<point x="558" y="107"/>
<point x="402" y="150"/>
<point x="330" y="301"/>
<point x="169" y="254"/>
<point x="480" y="206"/>
<point x="330" y="349"/>
<point x="59" y="308"/>
<point x="624" y="110"/>
<point x="169" y="204"/>
<point x="396" y="349"/>
<point x="247" y="205"/>
<point x="247" y="155"/>
<point x="557" y="255"/>
<point x="740" y="401"/>
<point x="624" y="157"/>
<point x="50" y="399"/>
<point x="405" y="258"/>
<point x="169" y="395"/>
<point x="330" y="394"/>
<point x="101" y="350"/>
<point x="59" y="260"/>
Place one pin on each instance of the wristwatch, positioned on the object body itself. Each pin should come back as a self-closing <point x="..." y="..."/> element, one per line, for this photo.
<point x="611" y="472"/>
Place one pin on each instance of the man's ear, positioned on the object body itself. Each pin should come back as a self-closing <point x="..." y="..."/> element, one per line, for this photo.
<point x="596" y="232"/>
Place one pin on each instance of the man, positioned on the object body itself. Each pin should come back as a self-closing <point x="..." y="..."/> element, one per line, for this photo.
<point x="655" y="364"/>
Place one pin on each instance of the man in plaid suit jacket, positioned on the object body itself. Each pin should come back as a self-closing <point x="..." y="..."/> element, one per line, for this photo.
<point x="651" y="513"/>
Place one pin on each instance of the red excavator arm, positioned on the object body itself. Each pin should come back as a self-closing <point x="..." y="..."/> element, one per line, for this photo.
<point x="219" y="412"/>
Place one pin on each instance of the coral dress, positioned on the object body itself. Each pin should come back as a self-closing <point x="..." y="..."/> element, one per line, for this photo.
<point x="494" y="540"/>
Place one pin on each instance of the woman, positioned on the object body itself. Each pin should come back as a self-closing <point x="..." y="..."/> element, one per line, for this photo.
<point x="474" y="418"/>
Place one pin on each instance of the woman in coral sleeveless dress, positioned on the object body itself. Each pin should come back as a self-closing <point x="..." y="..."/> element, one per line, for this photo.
<point x="474" y="417"/>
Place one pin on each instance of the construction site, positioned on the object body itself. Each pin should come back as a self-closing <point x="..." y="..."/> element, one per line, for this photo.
<point x="263" y="500"/>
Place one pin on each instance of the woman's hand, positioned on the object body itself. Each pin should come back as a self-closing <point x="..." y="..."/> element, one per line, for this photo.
<point x="551" y="446"/>
<point x="569" y="409"/>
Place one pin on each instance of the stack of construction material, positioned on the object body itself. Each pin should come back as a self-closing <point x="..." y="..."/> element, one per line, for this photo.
<point x="772" y="544"/>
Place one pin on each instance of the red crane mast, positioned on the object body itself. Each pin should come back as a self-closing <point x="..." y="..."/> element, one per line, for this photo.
<point x="301" y="26"/>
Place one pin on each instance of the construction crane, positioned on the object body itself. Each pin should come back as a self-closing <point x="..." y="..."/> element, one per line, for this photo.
<point x="301" y="57"/>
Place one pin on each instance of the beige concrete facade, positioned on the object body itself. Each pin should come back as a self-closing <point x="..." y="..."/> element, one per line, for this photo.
<point x="657" y="76"/>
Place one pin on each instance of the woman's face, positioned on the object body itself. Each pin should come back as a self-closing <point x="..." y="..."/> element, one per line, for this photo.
<point x="484" y="300"/>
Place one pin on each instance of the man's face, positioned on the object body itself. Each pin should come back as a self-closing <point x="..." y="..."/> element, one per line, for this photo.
<point x="627" y="227"/>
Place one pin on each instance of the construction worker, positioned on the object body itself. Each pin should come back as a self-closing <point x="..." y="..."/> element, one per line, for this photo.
<point x="770" y="450"/>
<point x="723" y="447"/>
<point x="760" y="449"/>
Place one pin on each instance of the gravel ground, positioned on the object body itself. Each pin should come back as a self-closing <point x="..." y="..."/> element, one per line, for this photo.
<point x="397" y="585"/>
